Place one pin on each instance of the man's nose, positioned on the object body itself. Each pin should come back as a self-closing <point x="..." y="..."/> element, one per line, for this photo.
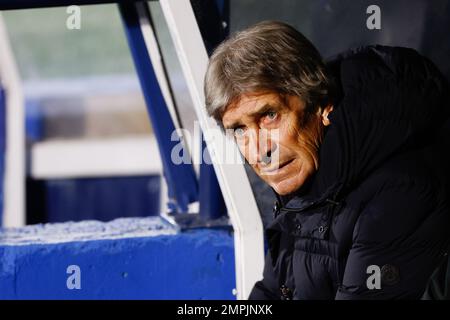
<point x="262" y="147"/>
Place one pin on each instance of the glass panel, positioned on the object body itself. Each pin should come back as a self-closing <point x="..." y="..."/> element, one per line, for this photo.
<point x="91" y="149"/>
<point x="78" y="83"/>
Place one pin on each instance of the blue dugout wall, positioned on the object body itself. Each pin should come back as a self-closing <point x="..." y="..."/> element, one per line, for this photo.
<point x="142" y="258"/>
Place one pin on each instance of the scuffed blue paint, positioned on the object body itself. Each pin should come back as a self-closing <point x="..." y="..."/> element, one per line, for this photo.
<point x="87" y="230"/>
<point x="197" y="264"/>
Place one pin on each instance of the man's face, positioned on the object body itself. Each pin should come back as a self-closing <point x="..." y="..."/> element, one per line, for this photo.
<point x="275" y="138"/>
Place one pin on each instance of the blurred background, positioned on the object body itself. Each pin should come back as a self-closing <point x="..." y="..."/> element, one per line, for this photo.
<point x="91" y="152"/>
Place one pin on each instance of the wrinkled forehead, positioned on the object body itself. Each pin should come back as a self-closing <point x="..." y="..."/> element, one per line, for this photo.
<point x="248" y="104"/>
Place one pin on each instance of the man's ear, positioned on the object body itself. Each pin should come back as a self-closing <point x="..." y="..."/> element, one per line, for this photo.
<point x="324" y="114"/>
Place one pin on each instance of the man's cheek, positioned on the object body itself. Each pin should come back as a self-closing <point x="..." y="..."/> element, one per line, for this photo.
<point x="267" y="178"/>
<point x="247" y="153"/>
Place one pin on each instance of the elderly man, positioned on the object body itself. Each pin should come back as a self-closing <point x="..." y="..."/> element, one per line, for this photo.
<point x="354" y="150"/>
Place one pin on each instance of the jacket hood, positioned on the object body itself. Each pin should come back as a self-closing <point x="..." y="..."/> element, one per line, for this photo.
<point x="389" y="100"/>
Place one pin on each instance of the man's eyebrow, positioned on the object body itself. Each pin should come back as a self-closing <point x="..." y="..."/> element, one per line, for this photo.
<point x="262" y="110"/>
<point x="234" y="125"/>
<point x="256" y="113"/>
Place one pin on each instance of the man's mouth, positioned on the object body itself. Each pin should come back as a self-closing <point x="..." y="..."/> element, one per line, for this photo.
<point x="277" y="168"/>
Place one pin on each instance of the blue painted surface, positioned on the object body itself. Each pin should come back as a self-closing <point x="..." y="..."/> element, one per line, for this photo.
<point x="190" y="265"/>
<point x="34" y="123"/>
<point x="212" y="204"/>
<point x="181" y="178"/>
<point x="2" y="146"/>
<point x="101" y="199"/>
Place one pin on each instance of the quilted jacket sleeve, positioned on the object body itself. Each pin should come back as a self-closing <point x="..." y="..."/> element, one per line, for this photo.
<point x="401" y="236"/>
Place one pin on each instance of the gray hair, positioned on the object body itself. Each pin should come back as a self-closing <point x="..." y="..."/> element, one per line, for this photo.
<point x="271" y="56"/>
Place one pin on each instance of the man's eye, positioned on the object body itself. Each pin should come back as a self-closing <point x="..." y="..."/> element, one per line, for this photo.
<point x="271" y="115"/>
<point x="238" y="132"/>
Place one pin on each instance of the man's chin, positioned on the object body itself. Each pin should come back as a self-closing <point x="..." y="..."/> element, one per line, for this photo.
<point x="287" y="186"/>
<point x="283" y="190"/>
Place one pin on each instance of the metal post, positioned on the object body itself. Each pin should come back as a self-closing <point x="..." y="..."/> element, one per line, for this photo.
<point x="181" y="178"/>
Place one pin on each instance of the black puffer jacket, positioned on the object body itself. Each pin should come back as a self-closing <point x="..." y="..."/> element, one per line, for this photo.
<point x="381" y="196"/>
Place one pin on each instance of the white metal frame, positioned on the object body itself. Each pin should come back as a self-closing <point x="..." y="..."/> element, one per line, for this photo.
<point x="233" y="181"/>
<point x="14" y="182"/>
<point x="155" y="57"/>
